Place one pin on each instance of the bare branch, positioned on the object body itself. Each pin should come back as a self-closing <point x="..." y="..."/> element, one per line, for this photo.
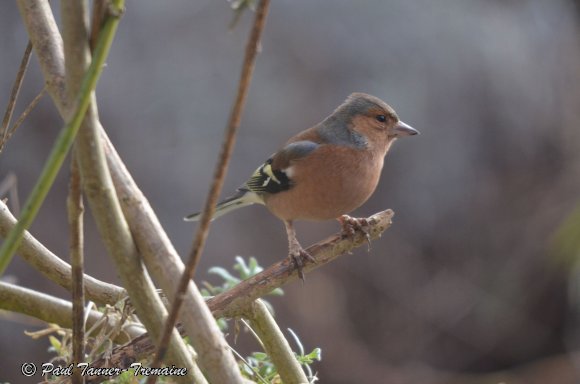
<point x="47" y="43"/>
<point x="51" y="309"/>
<point x="99" y="187"/>
<point x="5" y="132"/>
<point x="54" y="268"/>
<point x="75" y="217"/>
<point x="229" y="139"/>
<point x="275" y="344"/>
<point x="165" y="265"/>
<point x="233" y="302"/>
<point x="218" y="179"/>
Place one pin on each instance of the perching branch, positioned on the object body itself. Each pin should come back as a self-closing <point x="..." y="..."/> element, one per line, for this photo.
<point x="218" y="179"/>
<point x="234" y="302"/>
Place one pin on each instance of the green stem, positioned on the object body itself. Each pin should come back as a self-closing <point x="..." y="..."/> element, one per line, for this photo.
<point x="275" y="344"/>
<point x="65" y="138"/>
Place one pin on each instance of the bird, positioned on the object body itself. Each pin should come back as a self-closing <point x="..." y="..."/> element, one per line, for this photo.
<point x="323" y="172"/>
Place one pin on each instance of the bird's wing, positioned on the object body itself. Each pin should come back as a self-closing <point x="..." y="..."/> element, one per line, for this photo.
<point x="271" y="177"/>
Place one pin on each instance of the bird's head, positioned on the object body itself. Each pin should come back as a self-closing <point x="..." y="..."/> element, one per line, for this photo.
<point x="372" y="118"/>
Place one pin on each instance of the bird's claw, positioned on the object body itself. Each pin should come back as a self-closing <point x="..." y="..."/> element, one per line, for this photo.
<point x="349" y="225"/>
<point x="298" y="257"/>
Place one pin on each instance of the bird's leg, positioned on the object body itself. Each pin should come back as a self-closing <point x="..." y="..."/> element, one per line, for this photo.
<point x="295" y="250"/>
<point x="349" y="225"/>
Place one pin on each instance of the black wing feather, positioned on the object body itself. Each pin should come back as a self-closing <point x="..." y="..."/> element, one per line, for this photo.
<point x="268" y="180"/>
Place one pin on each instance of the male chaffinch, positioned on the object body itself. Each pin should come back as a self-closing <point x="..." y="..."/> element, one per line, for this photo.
<point x="323" y="172"/>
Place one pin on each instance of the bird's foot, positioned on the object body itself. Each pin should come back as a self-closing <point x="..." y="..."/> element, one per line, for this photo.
<point x="299" y="256"/>
<point x="349" y="225"/>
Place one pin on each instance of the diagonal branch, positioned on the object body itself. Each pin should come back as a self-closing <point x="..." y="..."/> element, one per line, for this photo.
<point x="47" y="43"/>
<point x="56" y="269"/>
<point x="98" y="185"/>
<point x="5" y="131"/>
<point x="165" y="265"/>
<point x="233" y="302"/>
<point x="218" y="180"/>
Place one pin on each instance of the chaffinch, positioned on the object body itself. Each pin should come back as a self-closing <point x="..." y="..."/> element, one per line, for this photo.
<point x="324" y="172"/>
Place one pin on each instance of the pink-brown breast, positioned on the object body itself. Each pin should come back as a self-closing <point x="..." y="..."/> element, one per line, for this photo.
<point x="332" y="181"/>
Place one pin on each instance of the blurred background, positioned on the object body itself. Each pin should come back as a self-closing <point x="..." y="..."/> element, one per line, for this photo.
<point x="466" y="283"/>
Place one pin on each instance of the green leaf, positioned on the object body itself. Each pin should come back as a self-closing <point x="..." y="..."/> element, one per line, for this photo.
<point x="261" y="356"/>
<point x="255" y="268"/>
<point x="55" y="343"/>
<point x="316" y="354"/>
<point x="224" y="274"/>
<point x="242" y="267"/>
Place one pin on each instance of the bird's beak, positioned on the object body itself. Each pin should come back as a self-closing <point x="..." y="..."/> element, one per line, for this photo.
<point x="402" y="129"/>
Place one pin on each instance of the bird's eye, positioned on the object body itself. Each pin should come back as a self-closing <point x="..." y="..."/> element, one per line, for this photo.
<point x="381" y="118"/>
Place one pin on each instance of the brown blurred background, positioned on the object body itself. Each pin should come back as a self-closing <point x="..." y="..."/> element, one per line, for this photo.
<point x="464" y="283"/>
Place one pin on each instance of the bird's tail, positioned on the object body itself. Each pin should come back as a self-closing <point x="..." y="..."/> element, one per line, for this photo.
<point x="241" y="199"/>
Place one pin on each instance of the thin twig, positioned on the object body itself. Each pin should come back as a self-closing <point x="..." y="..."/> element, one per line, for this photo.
<point x="234" y="302"/>
<point x="25" y="114"/>
<point x="252" y="48"/>
<point x="75" y="216"/>
<point x="5" y="133"/>
<point x="225" y="155"/>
